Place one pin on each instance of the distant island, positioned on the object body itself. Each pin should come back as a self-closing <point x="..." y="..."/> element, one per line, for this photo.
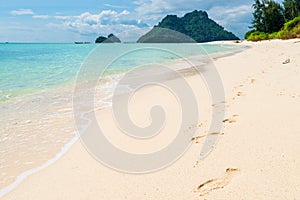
<point x="111" y="38"/>
<point x="192" y="27"/>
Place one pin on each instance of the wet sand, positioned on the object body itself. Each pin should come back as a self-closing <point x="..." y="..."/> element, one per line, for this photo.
<point x="257" y="156"/>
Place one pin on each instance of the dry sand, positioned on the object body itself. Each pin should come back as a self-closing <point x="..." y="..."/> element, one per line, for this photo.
<point x="257" y="156"/>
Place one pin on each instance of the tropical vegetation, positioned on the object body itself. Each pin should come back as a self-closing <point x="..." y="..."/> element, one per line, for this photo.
<point x="271" y="20"/>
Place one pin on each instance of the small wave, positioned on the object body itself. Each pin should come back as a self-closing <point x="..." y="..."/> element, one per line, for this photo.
<point x="25" y="174"/>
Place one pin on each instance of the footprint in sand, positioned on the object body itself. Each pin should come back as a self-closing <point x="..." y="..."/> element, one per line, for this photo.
<point x="196" y="164"/>
<point x="231" y="120"/>
<point x="218" y="104"/>
<point x="286" y="61"/>
<point x="217" y="183"/>
<point x="197" y="138"/>
<point x="216" y="133"/>
<point x="240" y="94"/>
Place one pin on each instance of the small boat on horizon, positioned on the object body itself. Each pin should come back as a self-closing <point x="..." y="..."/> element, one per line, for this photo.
<point x="82" y="42"/>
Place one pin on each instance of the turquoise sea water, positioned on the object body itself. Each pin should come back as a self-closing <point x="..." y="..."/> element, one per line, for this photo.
<point x="25" y="68"/>
<point x="36" y="90"/>
<point x="30" y="67"/>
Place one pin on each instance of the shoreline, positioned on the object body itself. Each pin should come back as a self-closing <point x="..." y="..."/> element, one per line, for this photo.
<point x="70" y="82"/>
<point x="65" y="148"/>
<point x="27" y="173"/>
<point x="248" y="131"/>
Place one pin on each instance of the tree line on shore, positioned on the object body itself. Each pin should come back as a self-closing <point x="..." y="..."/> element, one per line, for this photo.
<point x="274" y="20"/>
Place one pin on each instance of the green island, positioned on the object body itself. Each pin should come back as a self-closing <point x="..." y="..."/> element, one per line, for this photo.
<point x="271" y="20"/>
<point x="192" y="27"/>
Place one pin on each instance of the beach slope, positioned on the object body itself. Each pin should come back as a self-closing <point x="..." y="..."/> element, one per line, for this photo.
<point x="257" y="156"/>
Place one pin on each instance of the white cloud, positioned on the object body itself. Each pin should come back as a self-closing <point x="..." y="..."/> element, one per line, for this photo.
<point x="22" y="12"/>
<point x="234" y="15"/>
<point x="177" y="6"/>
<point x="125" y="12"/>
<point x="41" y="16"/>
<point x="227" y="15"/>
<point x="102" y="18"/>
<point x="114" y="6"/>
<point x="235" y="19"/>
<point x="123" y="23"/>
<point x="224" y="12"/>
<point x="62" y="17"/>
<point x="154" y="6"/>
<point x="152" y="11"/>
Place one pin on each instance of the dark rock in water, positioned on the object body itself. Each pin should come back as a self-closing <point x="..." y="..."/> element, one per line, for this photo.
<point x="111" y="38"/>
<point x="100" y="39"/>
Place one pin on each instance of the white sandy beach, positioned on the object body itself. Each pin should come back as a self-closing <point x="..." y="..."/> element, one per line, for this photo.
<point x="257" y="156"/>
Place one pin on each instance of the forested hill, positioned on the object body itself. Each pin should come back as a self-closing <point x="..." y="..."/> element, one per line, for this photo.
<point x="195" y="25"/>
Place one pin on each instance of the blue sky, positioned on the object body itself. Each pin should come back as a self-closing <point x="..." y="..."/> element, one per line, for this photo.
<point x="78" y="20"/>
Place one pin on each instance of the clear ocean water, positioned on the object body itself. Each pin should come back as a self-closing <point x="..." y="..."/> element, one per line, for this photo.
<point x="27" y="68"/>
<point x="36" y="90"/>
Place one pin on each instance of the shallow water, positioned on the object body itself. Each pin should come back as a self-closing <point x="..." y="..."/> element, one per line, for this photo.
<point x="36" y="88"/>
